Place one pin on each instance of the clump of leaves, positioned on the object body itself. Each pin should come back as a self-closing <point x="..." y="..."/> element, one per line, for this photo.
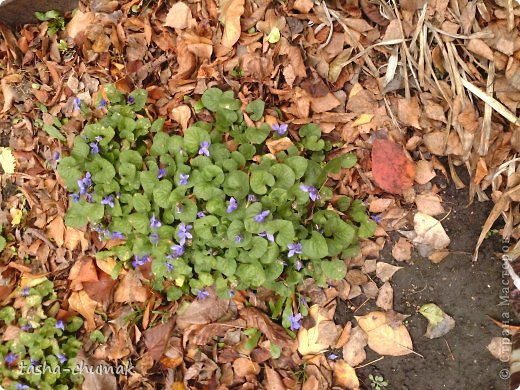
<point x="39" y="352"/>
<point x="54" y="19"/>
<point x="212" y="206"/>
<point x="377" y="382"/>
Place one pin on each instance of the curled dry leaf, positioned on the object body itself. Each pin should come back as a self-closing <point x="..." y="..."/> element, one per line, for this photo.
<point x="7" y="160"/>
<point x="274" y="380"/>
<point x="93" y="380"/>
<point x="439" y="323"/>
<point x="261" y="321"/>
<point x="203" y="311"/>
<point x="500" y="347"/>
<point x="392" y="170"/>
<point x="244" y="367"/>
<point x="156" y="339"/>
<point x="386" y="336"/>
<point x="429" y="203"/>
<point x="230" y="13"/>
<point x="430" y="234"/>
<point x="385" y="298"/>
<point x="179" y="16"/>
<point x="278" y="145"/>
<point x="354" y="350"/>
<point x="84" y="305"/>
<point x="402" y="250"/>
<point x="319" y="337"/>
<point x="345" y="376"/>
<point x="182" y="114"/>
<point x="424" y="172"/>
<point x="130" y="289"/>
<point x="385" y="271"/>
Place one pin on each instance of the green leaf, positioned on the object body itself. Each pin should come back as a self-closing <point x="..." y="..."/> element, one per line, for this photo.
<point x="256" y="109"/>
<point x="260" y="180"/>
<point x="298" y="164"/>
<point x="3" y="243"/>
<point x="258" y="247"/>
<point x="367" y="229"/>
<point x="161" y="194"/>
<point x="433" y="313"/>
<point x="140" y="96"/>
<point x="102" y="170"/>
<point x="334" y="269"/>
<point x="236" y="184"/>
<point x="251" y="274"/>
<point x="285" y="176"/>
<point x="69" y="172"/>
<point x="139" y="222"/>
<point x="275" y="350"/>
<point x="160" y="144"/>
<point x="141" y="203"/>
<point x="193" y="136"/>
<point x="53" y="132"/>
<point x="81" y="149"/>
<point x="315" y="247"/>
<point x="211" y="98"/>
<point x="257" y="136"/>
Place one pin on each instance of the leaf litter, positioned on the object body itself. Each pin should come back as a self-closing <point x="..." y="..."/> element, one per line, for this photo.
<point x="440" y="79"/>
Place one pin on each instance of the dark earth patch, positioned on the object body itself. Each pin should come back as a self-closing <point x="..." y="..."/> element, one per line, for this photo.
<point x="467" y="291"/>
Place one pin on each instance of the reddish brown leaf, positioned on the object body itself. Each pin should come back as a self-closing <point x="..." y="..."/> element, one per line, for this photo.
<point x="392" y="170"/>
<point x="156" y="339"/>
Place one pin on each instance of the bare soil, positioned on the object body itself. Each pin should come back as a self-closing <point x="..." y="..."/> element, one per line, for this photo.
<point x="467" y="291"/>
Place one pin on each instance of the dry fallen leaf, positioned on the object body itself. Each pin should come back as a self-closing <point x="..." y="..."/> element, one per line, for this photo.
<point x="320" y="336"/>
<point x="429" y="203"/>
<point x="385" y="298"/>
<point x="278" y="145"/>
<point x="81" y="302"/>
<point x="230" y="13"/>
<point x="402" y="250"/>
<point x="385" y="336"/>
<point x="7" y="160"/>
<point x="385" y="271"/>
<point x="244" y="367"/>
<point x="500" y="347"/>
<point x="439" y="323"/>
<point x="182" y="114"/>
<point x="354" y="350"/>
<point x="345" y="376"/>
<point x="203" y="311"/>
<point x="424" y="171"/>
<point x="430" y="234"/>
<point x="179" y="16"/>
<point x="130" y="289"/>
<point x="392" y="170"/>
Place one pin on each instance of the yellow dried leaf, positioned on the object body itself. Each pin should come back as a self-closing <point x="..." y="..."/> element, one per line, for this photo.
<point x="384" y="336"/>
<point x="345" y="375"/>
<point x="84" y="305"/>
<point x="7" y="160"/>
<point x="16" y="215"/>
<point x="363" y="119"/>
<point x="230" y="13"/>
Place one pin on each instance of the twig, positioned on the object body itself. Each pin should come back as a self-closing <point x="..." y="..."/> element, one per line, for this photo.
<point x="449" y="349"/>
<point x="41" y="236"/>
<point x="372" y="362"/>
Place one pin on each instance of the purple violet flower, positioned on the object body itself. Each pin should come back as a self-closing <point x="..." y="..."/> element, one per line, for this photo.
<point x="102" y="104"/>
<point x="184" y="179"/>
<point x="201" y="214"/>
<point x="162" y="173"/>
<point x="201" y="294"/>
<point x="20" y="386"/>
<point x="74" y="197"/>
<point x="376" y="218"/>
<point x="77" y="103"/>
<point x="184" y="233"/>
<point x="10" y="358"/>
<point x="294" y="249"/>
<point x="261" y="217"/>
<point x="62" y="358"/>
<point x="60" y="325"/>
<point x="154" y="238"/>
<point x="233" y="205"/>
<point x="118" y="235"/>
<point x="295" y="321"/>
<point x="312" y="191"/>
<point x="27" y="327"/>
<point x="130" y="100"/>
<point x="84" y="183"/>
<point x="333" y="356"/>
<point x="154" y="222"/>
<point x="169" y="266"/>
<point x="238" y="238"/>
<point x="109" y="200"/>
<point x="251" y="198"/>
<point x="204" y="145"/>
<point x="281" y="129"/>
<point x="138" y="261"/>
<point x="94" y="148"/>
<point x="25" y="292"/>
<point x="177" y="251"/>
<point x="270" y="237"/>
<point x="56" y="156"/>
<point x="299" y="265"/>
